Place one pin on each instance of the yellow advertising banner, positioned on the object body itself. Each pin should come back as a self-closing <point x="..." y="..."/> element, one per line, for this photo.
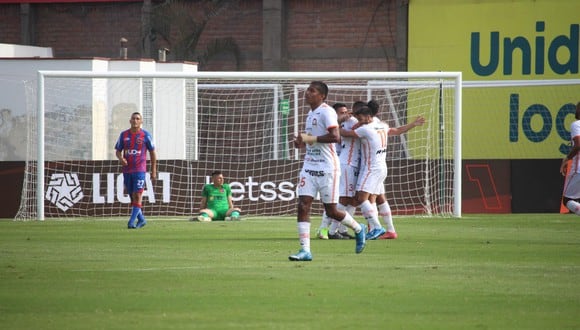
<point x="519" y="40"/>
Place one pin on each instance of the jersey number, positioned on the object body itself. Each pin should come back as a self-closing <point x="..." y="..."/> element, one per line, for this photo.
<point x="384" y="136"/>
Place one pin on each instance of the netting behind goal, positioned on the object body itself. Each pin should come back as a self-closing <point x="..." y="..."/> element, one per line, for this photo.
<point x="241" y="125"/>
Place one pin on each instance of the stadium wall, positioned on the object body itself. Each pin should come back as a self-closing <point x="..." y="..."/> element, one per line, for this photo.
<point x="272" y="35"/>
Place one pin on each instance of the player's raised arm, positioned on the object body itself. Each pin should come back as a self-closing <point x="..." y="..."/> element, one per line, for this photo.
<point x="419" y="121"/>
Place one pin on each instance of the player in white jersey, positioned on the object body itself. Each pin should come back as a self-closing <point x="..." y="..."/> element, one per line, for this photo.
<point x="349" y="157"/>
<point x="349" y="163"/>
<point x="320" y="172"/>
<point x="571" y="193"/>
<point x="380" y="200"/>
<point x="374" y="139"/>
<point x="373" y="172"/>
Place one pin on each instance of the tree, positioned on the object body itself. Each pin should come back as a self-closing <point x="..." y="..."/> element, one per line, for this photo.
<point x="178" y="25"/>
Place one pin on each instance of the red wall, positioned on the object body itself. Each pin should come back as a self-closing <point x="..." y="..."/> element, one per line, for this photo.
<point x="346" y="35"/>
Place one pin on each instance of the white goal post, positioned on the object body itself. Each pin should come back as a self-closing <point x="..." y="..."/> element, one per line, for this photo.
<point x="238" y="122"/>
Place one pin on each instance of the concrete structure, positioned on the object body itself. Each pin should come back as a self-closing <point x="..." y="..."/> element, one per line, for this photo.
<point x="18" y="85"/>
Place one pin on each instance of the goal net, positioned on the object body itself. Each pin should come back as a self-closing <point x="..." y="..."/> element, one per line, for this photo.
<point x="241" y="123"/>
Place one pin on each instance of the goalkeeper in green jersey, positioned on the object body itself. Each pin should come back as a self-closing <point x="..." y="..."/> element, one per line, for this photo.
<point x="216" y="201"/>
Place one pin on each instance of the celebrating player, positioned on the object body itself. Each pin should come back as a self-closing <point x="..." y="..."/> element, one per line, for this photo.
<point x="374" y="137"/>
<point x="320" y="171"/>
<point x="349" y="155"/>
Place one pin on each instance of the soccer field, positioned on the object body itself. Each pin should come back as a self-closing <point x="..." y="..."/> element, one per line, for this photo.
<point x="478" y="272"/>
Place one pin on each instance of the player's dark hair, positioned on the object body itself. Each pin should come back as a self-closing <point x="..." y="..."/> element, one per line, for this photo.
<point x="374" y="106"/>
<point x="339" y="105"/>
<point x="137" y="113"/>
<point x="216" y="173"/>
<point x="358" y="104"/>
<point x="321" y="87"/>
<point x="578" y="110"/>
<point x="364" y="110"/>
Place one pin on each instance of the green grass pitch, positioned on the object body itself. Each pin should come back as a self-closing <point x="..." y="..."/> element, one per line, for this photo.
<point x="518" y="271"/>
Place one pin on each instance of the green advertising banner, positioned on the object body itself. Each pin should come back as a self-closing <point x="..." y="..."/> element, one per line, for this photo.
<point x="495" y="42"/>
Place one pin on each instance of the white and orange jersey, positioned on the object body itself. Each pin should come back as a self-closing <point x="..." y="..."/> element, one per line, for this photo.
<point x="350" y="147"/>
<point x="575" y="131"/>
<point x="373" y="140"/>
<point x="321" y="156"/>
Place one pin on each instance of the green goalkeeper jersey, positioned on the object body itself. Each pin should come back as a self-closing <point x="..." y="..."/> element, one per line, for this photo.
<point x="217" y="197"/>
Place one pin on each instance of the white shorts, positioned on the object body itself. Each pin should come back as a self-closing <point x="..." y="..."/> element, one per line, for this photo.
<point x="311" y="183"/>
<point x="382" y="188"/>
<point x="372" y="182"/>
<point x="348" y="180"/>
<point x="572" y="188"/>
